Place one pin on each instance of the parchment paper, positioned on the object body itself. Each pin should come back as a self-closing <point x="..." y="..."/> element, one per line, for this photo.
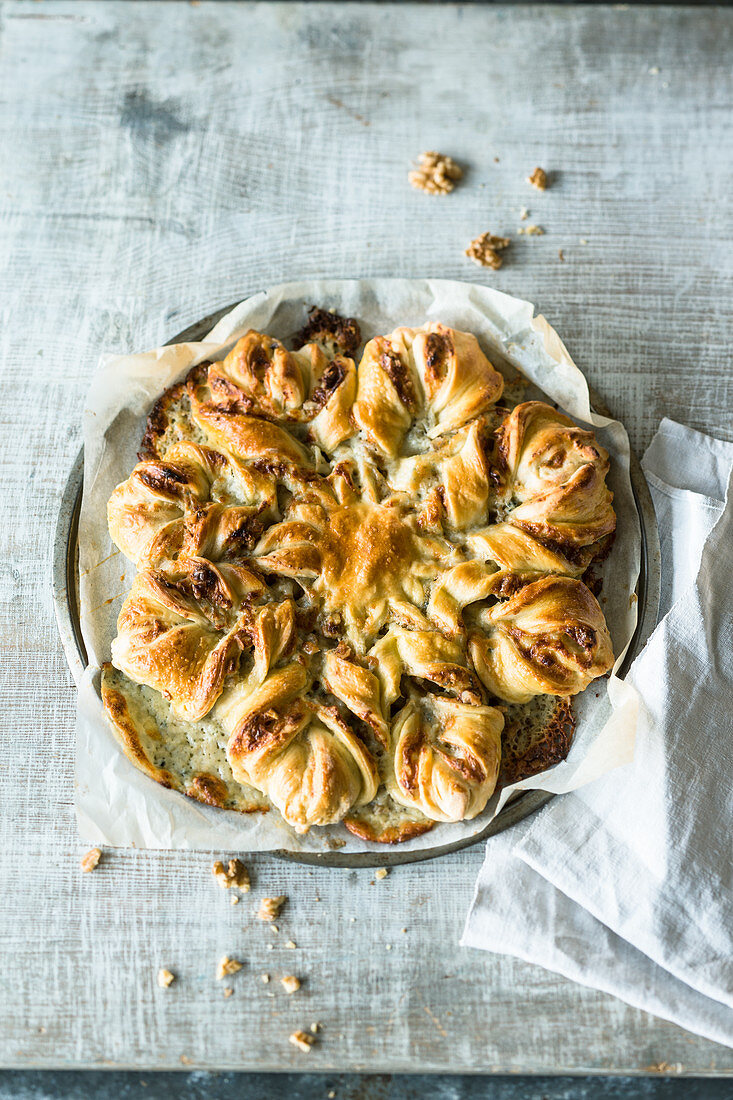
<point x="117" y="804"/>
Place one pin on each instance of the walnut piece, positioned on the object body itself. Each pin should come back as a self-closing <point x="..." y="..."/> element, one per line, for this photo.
<point x="538" y="179"/>
<point x="91" y="859"/>
<point x="290" y="983"/>
<point x="228" y="991"/>
<point x="236" y="874"/>
<point x="381" y="873"/>
<point x="165" y="978"/>
<point x="270" y="907"/>
<point x="485" y="250"/>
<point x="531" y="231"/>
<point x="227" y="966"/>
<point x="302" y="1040"/>
<point x="436" y="174"/>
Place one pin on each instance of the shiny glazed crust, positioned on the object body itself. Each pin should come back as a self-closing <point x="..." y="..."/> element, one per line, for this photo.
<point x="354" y="584"/>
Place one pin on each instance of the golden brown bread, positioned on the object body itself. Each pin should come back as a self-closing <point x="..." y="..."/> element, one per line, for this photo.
<point x="347" y="574"/>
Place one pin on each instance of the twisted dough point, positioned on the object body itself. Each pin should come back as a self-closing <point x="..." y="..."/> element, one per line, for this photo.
<point x="359" y="689"/>
<point x="556" y="471"/>
<point x="453" y="480"/>
<point x="434" y="372"/>
<point x="425" y="655"/>
<point x="184" y="636"/>
<point x="260" y="378"/>
<point x="196" y="503"/>
<point x="445" y="757"/>
<point x="304" y="757"/>
<point x="549" y="639"/>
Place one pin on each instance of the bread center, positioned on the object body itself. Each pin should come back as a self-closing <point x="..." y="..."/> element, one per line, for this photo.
<point x="366" y="552"/>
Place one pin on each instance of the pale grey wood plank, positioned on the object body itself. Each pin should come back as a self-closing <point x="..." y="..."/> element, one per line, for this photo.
<point x="161" y="160"/>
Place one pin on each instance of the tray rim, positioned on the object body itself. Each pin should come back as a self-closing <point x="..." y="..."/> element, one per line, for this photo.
<point x="523" y="804"/>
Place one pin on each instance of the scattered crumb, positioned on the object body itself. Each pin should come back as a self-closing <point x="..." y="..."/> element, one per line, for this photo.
<point x="654" y="71"/>
<point x="484" y="250"/>
<point x="318" y="899"/>
<point x="561" y="255"/>
<point x="523" y="214"/>
<point x="436" y="174"/>
<point x="531" y="231"/>
<point x="186" y="1060"/>
<point x="334" y="843"/>
<point x="381" y="873"/>
<point x="496" y="160"/>
<point x="291" y="945"/>
<point x="227" y="966"/>
<point x="302" y="1040"/>
<point x="403" y="929"/>
<point x="331" y="1094"/>
<point x="352" y="919"/>
<point x="583" y="240"/>
<point x="290" y="983"/>
<point x="388" y="946"/>
<point x="165" y="978"/>
<point x="235" y="874"/>
<point x="91" y="859"/>
<point x="274" y="928"/>
<point x="538" y="179"/>
<point x="270" y="907"/>
<point x="264" y="978"/>
<point x="315" y="1028"/>
<point x="228" y="991"/>
<point x="664" y="1067"/>
<point x="235" y="899"/>
<point x="271" y="947"/>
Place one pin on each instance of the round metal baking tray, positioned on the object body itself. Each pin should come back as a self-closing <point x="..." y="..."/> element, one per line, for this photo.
<point x="66" y="602"/>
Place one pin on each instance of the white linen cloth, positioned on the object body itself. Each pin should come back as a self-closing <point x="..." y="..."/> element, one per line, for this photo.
<point x="626" y="884"/>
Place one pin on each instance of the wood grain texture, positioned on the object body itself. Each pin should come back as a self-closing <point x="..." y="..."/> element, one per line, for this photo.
<point x="160" y="160"/>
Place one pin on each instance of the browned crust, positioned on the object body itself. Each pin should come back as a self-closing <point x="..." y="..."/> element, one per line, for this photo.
<point x="326" y="326"/>
<point x="390" y="834"/>
<point x="157" y="421"/>
<point x="547" y="747"/>
<point x="127" y="734"/>
<point x="212" y="791"/>
<point x="208" y="789"/>
<point x="204" y="787"/>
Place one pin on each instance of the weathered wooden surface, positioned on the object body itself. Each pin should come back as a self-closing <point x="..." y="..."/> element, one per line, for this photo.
<point x="160" y="160"/>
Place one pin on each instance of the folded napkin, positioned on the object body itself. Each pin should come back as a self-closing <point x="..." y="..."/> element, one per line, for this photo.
<point x="626" y="884"/>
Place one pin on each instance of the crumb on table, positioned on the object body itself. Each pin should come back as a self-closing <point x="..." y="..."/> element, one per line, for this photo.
<point x="302" y="1040"/>
<point x="91" y="859"/>
<point x="436" y="174"/>
<point x="165" y="978"/>
<point x="227" y="966"/>
<point x="538" y="179"/>
<point x="290" y="983"/>
<point x="235" y="874"/>
<point x="270" y="907"/>
<point x="484" y="250"/>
